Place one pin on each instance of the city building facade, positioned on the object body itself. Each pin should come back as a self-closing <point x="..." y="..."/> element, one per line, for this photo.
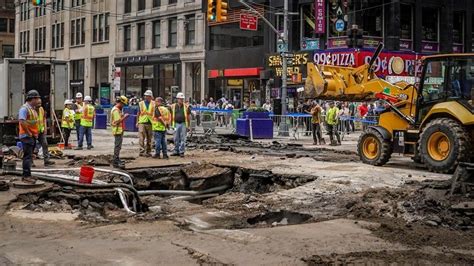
<point x="7" y="28"/>
<point x="161" y="47"/>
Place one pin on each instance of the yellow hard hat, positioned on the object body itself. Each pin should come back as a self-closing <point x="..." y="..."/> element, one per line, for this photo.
<point x="123" y="100"/>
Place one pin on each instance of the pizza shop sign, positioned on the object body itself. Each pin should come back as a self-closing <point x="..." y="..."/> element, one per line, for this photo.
<point x="387" y="64"/>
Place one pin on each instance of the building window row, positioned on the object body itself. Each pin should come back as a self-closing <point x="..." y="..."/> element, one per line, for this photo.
<point x="40" y="39"/>
<point x="7" y="25"/>
<point x="24" y="42"/>
<point x="57" y="36"/>
<point x="101" y="28"/>
<point x="75" y="3"/>
<point x="25" y="10"/>
<point x="58" y="5"/>
<point x="40" y="11"/>
<point x="78" y="32"/>
<point x="141" y="4"/>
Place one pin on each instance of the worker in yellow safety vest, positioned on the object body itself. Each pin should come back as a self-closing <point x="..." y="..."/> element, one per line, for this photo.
<point x="42" y="131"/>
<point x="144" y="123"/>
<point x="77" y="108"/>
<point x="117" y="123"/>
<point x="331" y="121"/>
<point x="180" y="120"/>
<point x="67" y="122"/>
<point x="87" y="121"/>
<point x="161" y="121"/>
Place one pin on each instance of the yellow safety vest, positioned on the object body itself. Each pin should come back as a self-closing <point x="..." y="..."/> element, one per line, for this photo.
<point x="145" y="115"/>
<point x="116" y="115"/>
<point x="67" y="115"/>
<point x="78" y="115"/>
<point x="157" y="125"/>
<point x="41" y="121"/>
<point x="331" y="116"/>
<point x="87" y="115"/>
<point x="173" y="112"/>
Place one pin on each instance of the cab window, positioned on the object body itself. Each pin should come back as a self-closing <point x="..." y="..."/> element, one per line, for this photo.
<point x="462" y="79"/>
<point x="434" y="88"/>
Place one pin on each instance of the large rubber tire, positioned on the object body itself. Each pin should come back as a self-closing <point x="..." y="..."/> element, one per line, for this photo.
<point x="458" y="143"/>
<point x="372" y="140"/>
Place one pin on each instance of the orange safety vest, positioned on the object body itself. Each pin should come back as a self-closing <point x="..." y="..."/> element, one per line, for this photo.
<point x="87" y="115"/>
<point x="31" y="129"/>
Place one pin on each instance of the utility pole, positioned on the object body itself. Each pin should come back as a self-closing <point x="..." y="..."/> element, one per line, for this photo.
<point x="284" y="131"/>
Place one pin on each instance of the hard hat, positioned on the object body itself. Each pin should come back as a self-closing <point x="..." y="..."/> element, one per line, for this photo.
<point x="180" y="95"/>
<point x="78" y="95"/>
<point x="159" y="99"/>
<point x="66" y="102"/>
<point x="148" y="93"/>
<point x="88" y="99"/>
<point x="122" y="99"/>
<point x="32" y="94"/>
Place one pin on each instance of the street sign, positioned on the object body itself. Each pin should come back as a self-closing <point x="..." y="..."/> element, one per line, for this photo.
<point x="248" y="22"/>
<point x="281" y="46"/>
<point x="310" y="44"/>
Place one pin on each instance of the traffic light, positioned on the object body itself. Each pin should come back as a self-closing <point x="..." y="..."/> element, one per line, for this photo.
<point x="37" y="2"/>
<point x="211" y="10"/>
<point x="222" y="10"/>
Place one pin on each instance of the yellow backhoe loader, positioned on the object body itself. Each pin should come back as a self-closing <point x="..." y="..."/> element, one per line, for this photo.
<point x="433" y="121"/>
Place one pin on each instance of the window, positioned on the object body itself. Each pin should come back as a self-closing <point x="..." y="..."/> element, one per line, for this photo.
<point x="406" y="22"/>
<point x="307" y="21"/>
<point x="172" y="32"/>
<point x="77" y="69"/>
<point x="430" y="24"/>
<point x="458" y="28"/>
<point x="156" y="34"/>
<point x="57" y="36"/>
<point x="12" y="26"/>
<point x="100" y="26"/>
<point x="461" y="80"/>
<point x="141" y="36"/>
<point x="40" y="39"/>
<point x="141" y="5"/>
<point x="40" y="11"/>
<point x="127" y="37"/>
<point x="156" y="3"/>
<point x="75" y="3"/>
<point x="190" y="30"/>
<point x="229" y="36"/>
<point x="127" y="6"/>
<point x="172" y="2"/>
<point x="25" y="10"/>
<point x="338" y="12"/>
<point x="8" y="51"/>
<point x="78" y="31"/>
<point x="24" y="42"/>
<point x="3" y="25"/>
<point x="433" y="84"/>
<point x="58" y="5"/>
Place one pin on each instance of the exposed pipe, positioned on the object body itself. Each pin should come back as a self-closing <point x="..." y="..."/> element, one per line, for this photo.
<point x="181" y="192"/>
<point x="202" y="196"/>
<point x="124" y="201"/>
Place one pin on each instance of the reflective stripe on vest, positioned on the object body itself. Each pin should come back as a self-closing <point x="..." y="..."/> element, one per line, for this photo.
<point x="78" y="115"/>
<point x="116" y="115"/>
<point x="146" y="114"/>
<point x="173" y="112"/>
<point x="158" y="125"/>
<point x="32" y="119"/>
<point x="41" y="121"/>
<point x="67" y="114"/>
<point x="87" y="116"/>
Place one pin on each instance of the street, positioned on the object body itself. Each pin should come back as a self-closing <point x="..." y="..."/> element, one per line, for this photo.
<point x="298" y="204"/>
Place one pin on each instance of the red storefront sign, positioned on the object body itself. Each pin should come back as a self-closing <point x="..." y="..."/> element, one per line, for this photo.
<point x="320" y="14"/>
<point x="387" y="64"/>
<point x="248" y="22"/>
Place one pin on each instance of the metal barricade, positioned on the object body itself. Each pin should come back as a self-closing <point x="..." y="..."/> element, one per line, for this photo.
<point x="208" y="123"/>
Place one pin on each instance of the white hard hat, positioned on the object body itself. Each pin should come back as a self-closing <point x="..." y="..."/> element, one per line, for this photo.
<point x="88" y="99"/>
<point x="148" y="93"/>
<point x="180" y="95"/>
<point x="79" y="95"/>
<point x="66" y="102"/>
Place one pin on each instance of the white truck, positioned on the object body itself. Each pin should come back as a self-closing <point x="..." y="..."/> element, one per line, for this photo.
<point x="17" y="76"/>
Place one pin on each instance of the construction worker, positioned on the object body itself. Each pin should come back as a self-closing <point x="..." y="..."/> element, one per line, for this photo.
<point x="180" y="120"/>
<point x="331" y="121"/>
<point x="87" y="121"/>
<point x="78" y="113"/>
<point x="28" y="133"/>
<point x="117" y="123"/>
<point x="316" y="112"/>
<point x="144" y="123"/>
<point x="67" y="122"/>
<point x="161" y="120"/>
<point x="42" y="133"/>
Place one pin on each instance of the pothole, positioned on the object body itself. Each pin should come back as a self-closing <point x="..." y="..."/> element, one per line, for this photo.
<point x="282" y="217"/>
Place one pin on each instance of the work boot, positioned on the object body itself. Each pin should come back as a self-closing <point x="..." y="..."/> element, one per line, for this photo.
<point x="90" y="147"/>
<point x="156" y="156"/>
<point x="165" y="157"/>
<point x="49" y="163"/>
<point x="175" y="154"/>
